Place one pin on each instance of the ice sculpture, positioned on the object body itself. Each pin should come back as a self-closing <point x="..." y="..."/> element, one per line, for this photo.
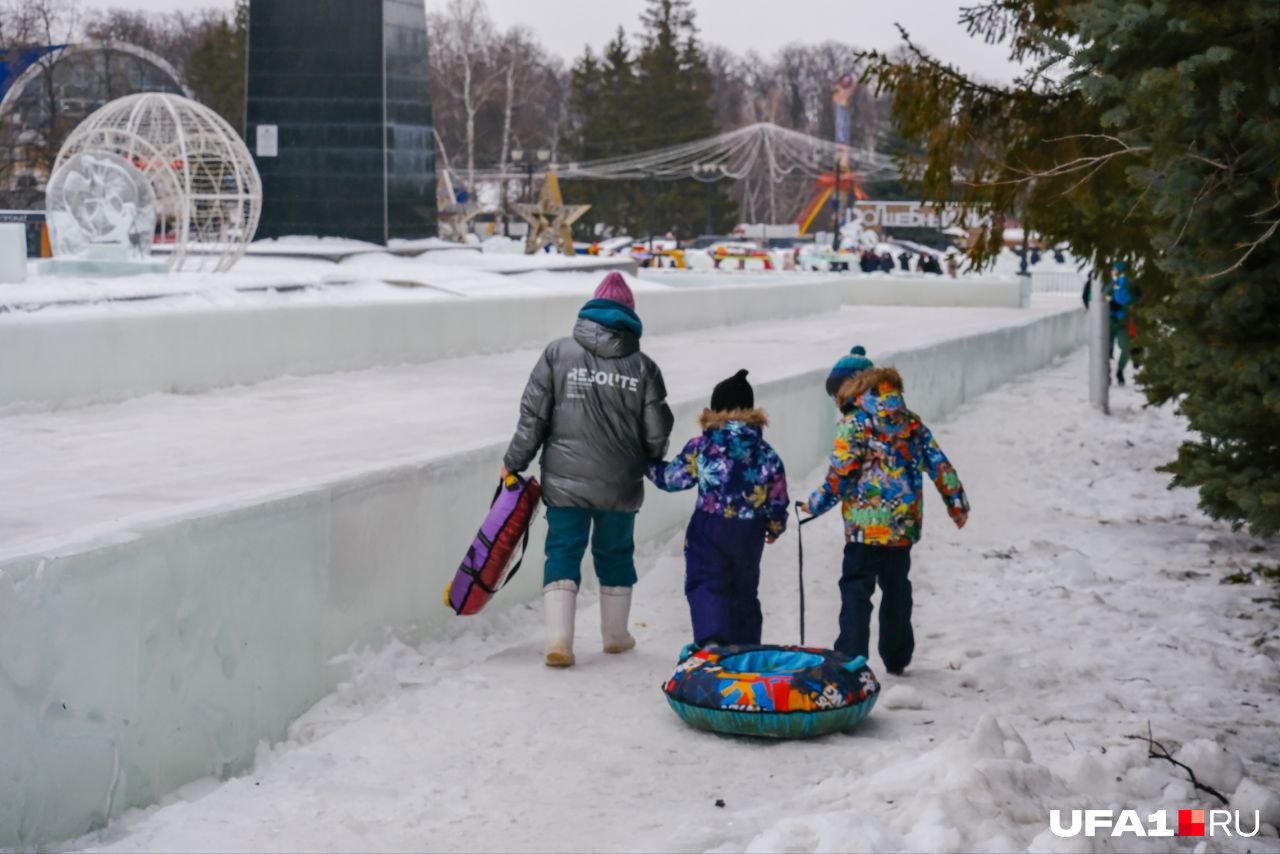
<point x="99" y="199"/>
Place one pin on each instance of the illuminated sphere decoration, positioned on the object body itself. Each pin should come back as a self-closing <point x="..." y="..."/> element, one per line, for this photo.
<point x="208" y="196"/>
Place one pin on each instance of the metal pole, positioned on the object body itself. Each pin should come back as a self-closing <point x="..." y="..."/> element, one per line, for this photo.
<point x="710" y="199"/>
<point x="1024" y="274"/>
<point x="1022" y="267"/>
<point x="1099" y="347"/>
<point x="506" y="207"/>
<point x="649" y="210"/>
<point x="835" y="240"/>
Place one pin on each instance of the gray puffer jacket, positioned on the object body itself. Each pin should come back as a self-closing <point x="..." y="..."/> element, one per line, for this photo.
<point x="597" y="407"/>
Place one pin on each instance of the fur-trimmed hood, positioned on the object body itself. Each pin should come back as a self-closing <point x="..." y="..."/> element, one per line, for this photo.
<point x="711" y="419"/>
<point x="855" y="386"/>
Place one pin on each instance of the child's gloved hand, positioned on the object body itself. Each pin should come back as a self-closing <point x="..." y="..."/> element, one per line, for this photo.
<point x="960" y="517"/>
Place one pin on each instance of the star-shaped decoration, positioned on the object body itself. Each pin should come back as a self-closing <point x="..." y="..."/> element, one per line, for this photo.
<point x="550" y="219"/>
<point x="454" y="216"/>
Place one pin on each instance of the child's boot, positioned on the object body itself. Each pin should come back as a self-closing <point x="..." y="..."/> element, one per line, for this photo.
<point x="559" y="605"/>
<point x="615" y="611"/>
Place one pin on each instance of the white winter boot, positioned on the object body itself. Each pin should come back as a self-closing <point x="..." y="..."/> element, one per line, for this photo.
<point x="615" y="610"/>
<point x="559" y="605"/>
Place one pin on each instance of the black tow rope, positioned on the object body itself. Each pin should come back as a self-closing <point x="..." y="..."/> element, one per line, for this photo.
<point x="800" y="523"/>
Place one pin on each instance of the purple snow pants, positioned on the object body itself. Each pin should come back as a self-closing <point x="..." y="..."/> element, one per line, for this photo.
<point x="721" y="576"/>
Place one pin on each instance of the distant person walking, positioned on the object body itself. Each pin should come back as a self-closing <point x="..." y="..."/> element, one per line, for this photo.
<point x="1121" y="318"/>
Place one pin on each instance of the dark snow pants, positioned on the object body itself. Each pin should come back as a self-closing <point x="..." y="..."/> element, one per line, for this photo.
<point x="722" y="576"/>
<point x="863" y="566"/>
<point x="612" y="537"/>
<point x="1120" y="338"/>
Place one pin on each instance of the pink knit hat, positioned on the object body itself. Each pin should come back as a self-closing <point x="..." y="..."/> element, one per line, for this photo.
<point x="615" y="288"/>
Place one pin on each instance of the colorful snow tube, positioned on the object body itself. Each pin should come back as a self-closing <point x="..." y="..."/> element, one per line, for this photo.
<point x="484" y="571"/>
<point x="771" y="691"/>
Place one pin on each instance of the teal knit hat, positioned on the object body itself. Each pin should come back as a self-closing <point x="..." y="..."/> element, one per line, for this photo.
<point x="851" y="365"/>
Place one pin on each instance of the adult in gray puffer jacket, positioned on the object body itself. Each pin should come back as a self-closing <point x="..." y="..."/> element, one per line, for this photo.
<point x="596" y="407"/>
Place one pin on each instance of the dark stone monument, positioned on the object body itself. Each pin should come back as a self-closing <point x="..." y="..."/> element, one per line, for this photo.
<point x="339" y="118"/>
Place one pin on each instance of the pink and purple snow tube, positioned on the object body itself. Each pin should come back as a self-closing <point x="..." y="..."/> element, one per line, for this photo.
<point x="484" y="571"/>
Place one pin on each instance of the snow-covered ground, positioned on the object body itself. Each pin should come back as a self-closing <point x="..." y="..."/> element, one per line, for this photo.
<point x="1083" y="603"/>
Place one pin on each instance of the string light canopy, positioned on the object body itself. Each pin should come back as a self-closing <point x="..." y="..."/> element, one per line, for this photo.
<point x="778" y="151"/>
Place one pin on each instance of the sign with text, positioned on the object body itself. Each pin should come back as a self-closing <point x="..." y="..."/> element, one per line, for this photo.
<point x="881" y="215"/>
<point x="22" y="217"/>
<point x="1159" y="823"/>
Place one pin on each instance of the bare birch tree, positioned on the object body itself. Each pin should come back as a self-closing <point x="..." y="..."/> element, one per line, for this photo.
<point x="462" y="69"/>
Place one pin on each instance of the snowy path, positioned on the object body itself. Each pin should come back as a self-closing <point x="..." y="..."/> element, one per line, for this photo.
<point x="97" y="469"/>
<point x="1082" y="601"/>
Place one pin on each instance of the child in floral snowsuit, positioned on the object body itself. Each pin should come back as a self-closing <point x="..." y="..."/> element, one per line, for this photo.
<point x="880" y="449"/>
<point x="742" y="504"/>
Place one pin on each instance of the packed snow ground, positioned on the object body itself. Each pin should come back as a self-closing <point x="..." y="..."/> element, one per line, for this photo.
<point x="93" y="470"/>
<point x="1082" y="603"/>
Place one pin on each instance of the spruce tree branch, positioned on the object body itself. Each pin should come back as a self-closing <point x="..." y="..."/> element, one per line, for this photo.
<point x="1078" y="164"/>
<point x="1217" y="164"/>
<point x="1269" y="208"/>
<point x="946" y="70"/>
<point x="1137" y="202"/>
<point x="1274" y="225"/>
<point x="1186" y="221"/>
<point x="1087" y="176"/>
<point x="1074" y="136"/>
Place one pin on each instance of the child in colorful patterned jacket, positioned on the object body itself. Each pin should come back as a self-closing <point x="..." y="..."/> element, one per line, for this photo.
<point x="880" y="449"/>
<point x="742" y="504"/>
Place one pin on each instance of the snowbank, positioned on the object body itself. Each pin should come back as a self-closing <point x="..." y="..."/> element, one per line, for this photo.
<point x="132" y="666"/>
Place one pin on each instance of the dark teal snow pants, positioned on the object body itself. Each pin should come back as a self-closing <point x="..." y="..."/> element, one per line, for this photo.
<point x="612" y="537"/>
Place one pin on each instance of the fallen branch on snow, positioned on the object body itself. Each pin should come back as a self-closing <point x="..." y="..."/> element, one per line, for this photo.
<point x="1156" y="750"/>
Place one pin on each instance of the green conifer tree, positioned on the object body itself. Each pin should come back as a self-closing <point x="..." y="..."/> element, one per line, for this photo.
<point x="624" y="103"/>
<point x="1146" y="132"/>
<point x="216" y="71"/>
<point x="673" y="95"/>
<point x="603" y="124"/>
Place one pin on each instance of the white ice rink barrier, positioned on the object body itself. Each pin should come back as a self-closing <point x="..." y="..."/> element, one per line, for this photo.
<point x="131" y="667"/>
<point x="933" y="291"/>
<point x="57" y="360"/>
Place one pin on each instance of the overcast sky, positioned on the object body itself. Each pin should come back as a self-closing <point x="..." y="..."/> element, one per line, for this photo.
<point x="565" y="26"/>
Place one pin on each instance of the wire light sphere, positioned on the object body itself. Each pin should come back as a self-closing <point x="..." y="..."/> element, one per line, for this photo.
<point x="208" y="191"/>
